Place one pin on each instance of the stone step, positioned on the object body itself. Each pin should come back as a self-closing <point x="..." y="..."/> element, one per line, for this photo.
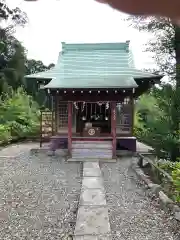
<point x="93" y="237"/>
<point x="90" y="145"/>
<point x="105" y="157"/>
<point x="91" y="142"/>
<point x="109" y="160"/>
<point x="91" y="151"/>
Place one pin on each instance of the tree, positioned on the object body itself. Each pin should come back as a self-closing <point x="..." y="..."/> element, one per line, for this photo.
<point x="12" y="54"/>
<point x="34" y="66"/>
<point x="14" y="64"/>
<point x="176" y="96"/>
<point x="13" y="15"/>
<point x="19" y="112"/>
<point x="161" y="45"/>
<point x="166" y="49"/>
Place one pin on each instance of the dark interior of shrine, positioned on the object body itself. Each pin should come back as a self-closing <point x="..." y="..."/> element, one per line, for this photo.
<point x="98" y="114"/>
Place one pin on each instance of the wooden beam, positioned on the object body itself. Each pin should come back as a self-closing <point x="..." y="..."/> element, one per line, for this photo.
<point x="70" y="129"/>
<point x="79" y="96"/>
<point x="113" y="128"/>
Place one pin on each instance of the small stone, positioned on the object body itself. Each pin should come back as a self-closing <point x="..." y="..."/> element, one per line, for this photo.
<point x="164" y="198"/>
<point x="14" y="204"/>
<point x="155" y="188"/>
<point x="177" y="216"/>
<point x="3" y="215"/>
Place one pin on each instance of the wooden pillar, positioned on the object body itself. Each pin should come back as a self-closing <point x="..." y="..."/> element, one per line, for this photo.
<point x="70" y="129"/>
<point x="56" y="112"/>
<point x="113" y="127"/>
<point x="132" y="115"/>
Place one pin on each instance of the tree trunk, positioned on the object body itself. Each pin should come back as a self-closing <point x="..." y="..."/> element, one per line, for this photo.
<point x="176" y="98"/>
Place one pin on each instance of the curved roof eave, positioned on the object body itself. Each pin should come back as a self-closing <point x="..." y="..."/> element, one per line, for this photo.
<point x="94" y="83"/>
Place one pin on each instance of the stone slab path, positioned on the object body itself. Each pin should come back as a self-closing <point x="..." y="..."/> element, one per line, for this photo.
<point x="92" y="219"/>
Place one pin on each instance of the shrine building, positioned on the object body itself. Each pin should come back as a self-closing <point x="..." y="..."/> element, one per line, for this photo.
<point x="93" y="88"/>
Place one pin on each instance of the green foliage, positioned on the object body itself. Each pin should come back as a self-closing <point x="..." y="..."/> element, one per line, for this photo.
<point x="14" y="64"/>
<point x="12" y="54"/>
<point x="169" y="166"/>
<point x="31" y="86"/>
<point x="154" y="125"/>
<point x="13" y="15"/>
<point x="19" y="112"/>
<point x="176" y="182"/>
<point x="34" y="66"/>
<point x="161" y="45"/>
<point x="19" y="116"/>
<point x="5" y="134"/>
<point x="174" y="170"/>
<point x="162" y="122"/>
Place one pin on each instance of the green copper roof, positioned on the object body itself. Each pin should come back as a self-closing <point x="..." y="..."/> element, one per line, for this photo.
<point x="102" y="65"/>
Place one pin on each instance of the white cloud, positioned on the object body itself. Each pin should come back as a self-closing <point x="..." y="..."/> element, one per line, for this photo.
<point x="54" y="21"/>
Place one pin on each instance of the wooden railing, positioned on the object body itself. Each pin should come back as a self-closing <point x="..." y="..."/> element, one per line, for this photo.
<point x="142" y="159"/>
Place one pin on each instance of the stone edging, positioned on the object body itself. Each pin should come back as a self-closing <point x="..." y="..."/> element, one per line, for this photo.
<point x="165" y="201"/>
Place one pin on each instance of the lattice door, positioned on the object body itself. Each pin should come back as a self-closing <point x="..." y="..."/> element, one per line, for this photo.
<point x="124" y="116"/>
<point x="62" y="115"/>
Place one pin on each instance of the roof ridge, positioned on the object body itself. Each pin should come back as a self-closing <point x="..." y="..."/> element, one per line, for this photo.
<point x="95" y="46"/>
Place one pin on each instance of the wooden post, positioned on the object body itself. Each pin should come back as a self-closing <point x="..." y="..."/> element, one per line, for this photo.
<point x="113" y="128"/>
<point x="56" y="98"/>
<point x="41" y="133"/>
<point x="70" y="129"/>
<point x="132" y="115"/>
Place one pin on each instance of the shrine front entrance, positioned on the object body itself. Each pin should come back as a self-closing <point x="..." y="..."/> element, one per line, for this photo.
<point x="93" y="119"/>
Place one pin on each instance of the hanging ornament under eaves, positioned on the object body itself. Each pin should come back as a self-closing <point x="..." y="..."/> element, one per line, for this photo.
<point x="106" y="108"/>
<point x="100" y="103"/>
<point x="85" y="114"/>
<point x="83" y="106"/>
<point x="76" y="106"/>
<point x="107" y="105"/>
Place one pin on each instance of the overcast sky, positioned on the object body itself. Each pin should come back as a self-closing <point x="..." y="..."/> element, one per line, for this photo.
<point x="54" y="21"/>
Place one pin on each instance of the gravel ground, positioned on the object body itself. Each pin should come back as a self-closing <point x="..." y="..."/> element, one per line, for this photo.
<point x="133" y="215"/>
<point x="38" y="197"/>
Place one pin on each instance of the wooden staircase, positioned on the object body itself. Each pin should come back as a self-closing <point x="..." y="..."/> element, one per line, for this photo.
<point x="92" y="149"/>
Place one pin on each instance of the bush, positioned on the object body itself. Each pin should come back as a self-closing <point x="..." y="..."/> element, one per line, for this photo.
<point x="5" y="134"/>
<point x="19" y="116"/>
<point x="173" y="168"/>
<point x="154" y="123"/>
<point x="176" y="181"/>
